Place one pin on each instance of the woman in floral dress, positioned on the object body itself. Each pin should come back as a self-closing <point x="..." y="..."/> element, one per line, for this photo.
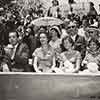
<point x="44" y="56"/>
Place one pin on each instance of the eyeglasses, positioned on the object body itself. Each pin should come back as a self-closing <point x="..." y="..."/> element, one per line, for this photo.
<point x="71" y="27"/>
<point x="90" y="32"/>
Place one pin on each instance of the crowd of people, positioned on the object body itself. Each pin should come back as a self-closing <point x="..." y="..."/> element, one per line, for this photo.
<point x="71" y="47"/>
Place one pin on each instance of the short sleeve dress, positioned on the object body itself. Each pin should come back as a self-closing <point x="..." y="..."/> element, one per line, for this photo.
<point x="69" y="59"/>
<point x="93" y="57"/>
<point x="45" y="61"/>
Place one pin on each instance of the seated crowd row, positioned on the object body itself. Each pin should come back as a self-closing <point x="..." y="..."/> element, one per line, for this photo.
<point x="57" y="53"/>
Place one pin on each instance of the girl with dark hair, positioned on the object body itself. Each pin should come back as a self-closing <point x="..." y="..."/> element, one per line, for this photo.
<point x="70" y="58"/>
<point x="69" y="39"/>
<point x="93" y="53"/>
<point x="44" y="56"/>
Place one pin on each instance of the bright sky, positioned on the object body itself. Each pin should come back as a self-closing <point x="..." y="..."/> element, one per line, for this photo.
<point x="96" y="2"/>
<point x="48" y="3"/>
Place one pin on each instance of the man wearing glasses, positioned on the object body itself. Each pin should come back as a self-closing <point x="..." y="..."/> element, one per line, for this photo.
<point x="79" y="41"/>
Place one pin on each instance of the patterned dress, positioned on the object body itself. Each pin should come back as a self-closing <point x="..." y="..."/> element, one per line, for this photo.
<point x="69" y="59"/>
<point x="45" y="59"/>
<point x="92" y="56"/>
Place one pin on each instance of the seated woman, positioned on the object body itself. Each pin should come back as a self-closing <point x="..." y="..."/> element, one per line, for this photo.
<point x="70" y="58"/>
<point x="92" y="54"/>
<point x="44" y="57"/>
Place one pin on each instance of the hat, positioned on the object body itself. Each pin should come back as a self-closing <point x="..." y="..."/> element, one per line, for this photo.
<point x="56" y="28"/>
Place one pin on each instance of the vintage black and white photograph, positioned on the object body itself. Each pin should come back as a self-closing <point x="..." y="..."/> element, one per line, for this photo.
<point x="49" y="49"/>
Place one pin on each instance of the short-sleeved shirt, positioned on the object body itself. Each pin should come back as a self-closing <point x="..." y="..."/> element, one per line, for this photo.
<point x="45" y="61"/>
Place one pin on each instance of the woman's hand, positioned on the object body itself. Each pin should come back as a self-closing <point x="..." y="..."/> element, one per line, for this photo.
<point x="38" y="71"/>
<point x="84" y="63"/>
<point x="75" y="71"/>
<point x="50" y="71"/>
<point x="5" y="67"/>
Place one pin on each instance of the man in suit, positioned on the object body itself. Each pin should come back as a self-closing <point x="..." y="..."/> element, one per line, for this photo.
<point x="18" y="53"/>
<point x="79" y="41"/>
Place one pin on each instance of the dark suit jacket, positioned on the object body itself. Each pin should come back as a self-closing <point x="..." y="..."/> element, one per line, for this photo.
<point x="31" y="41"/>
<point x="21" y="57"/>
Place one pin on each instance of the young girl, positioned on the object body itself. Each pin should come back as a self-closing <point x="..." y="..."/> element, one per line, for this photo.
<point x="92" y="58"/>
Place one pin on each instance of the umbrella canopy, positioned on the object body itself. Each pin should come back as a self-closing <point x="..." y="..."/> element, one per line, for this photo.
<point x="47" y="21"/>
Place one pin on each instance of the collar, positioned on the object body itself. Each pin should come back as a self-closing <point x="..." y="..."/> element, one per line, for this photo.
<point x="15" y="46"/>
<point x="74" y="37"/>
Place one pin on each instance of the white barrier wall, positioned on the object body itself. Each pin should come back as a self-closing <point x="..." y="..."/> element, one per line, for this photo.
<point x="49" y="87"/>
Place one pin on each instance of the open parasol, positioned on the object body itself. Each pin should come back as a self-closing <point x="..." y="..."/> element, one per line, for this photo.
<point x="47" y="21"/>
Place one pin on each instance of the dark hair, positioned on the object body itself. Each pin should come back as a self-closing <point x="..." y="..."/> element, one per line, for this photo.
<point x="95" y="41"/>
<point x="69" y="39"/>
<point x="58" y="35"/>
<point x="31" y="30"/>
<point x="91" y="4"/>
<point x="42" y="29"/>
<point x="15" y="32"/>
<point x="47" y="35"/>
<point x="56" y="2"/>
